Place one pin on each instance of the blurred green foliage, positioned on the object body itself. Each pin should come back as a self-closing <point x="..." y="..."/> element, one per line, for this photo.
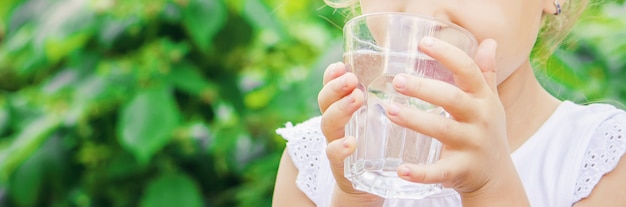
<point x="153" y="103"/>
<point x="175" y="102"/>
<point x="591" y="65"/>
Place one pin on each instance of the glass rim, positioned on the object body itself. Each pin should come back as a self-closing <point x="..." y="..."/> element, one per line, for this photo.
<point x="419" y="16"/>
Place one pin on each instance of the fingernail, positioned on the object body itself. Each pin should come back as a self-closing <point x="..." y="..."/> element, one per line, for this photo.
<point x="344" y="83"/>
<point x="427" y="41"/>
<point x="331" y="70"/>
<point x="351" y="98"/>
<point x="404" y="171"/>
<point x="399" y="81"/>
<point x="357" y="95"/>
<point x="336" y="65"/>
<point x="393" y="109"/>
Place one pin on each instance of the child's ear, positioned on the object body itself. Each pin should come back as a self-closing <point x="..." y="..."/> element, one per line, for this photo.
<point x="552" y="6"/>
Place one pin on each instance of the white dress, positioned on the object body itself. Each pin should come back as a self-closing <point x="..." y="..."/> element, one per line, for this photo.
<point x="559" y="165"/>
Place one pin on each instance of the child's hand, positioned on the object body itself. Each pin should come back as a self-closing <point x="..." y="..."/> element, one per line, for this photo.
<point x="476" y="161"/>
<point x="338" y="100"/>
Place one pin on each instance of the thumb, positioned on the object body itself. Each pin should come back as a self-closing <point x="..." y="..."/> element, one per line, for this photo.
<point x="486" y="60"/>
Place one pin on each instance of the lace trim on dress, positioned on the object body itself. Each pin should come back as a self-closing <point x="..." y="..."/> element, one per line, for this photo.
<point x="306" y="145"/>
<point x="605" y="149"/>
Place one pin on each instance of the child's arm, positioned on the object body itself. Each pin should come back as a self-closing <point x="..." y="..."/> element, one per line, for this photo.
<point x="286" y="193"/>
<point x="610" y="190"/>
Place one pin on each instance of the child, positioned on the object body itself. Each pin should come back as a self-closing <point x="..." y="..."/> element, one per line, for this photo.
<point x="561" y="153"/>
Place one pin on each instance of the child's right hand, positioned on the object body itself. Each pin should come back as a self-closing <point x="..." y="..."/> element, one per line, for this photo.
<point x="338" y="100"/>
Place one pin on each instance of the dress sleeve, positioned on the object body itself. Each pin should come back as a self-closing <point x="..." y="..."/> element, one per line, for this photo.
<point x="604" y="151"/>
<point x="307" y="147"/>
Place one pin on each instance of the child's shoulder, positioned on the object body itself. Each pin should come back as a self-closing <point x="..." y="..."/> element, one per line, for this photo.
<point x="304" y="131"/>
<point x="306" y="146"/>
<point x="605" y="146"/>
<point x="590" y="115"/>
<point x="589" y="120"/>
<point x="577" y="144"/>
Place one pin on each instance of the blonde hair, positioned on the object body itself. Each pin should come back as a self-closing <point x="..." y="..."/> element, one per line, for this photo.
<point x="340" y="4"/>
<point x="553" y="30"/>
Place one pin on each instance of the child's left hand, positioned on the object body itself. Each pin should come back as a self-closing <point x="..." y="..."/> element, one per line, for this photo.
<point x="476" y="161"/>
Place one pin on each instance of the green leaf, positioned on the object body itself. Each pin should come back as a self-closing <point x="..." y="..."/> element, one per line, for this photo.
<point x="147" y="122"/>
<point x="26" y="143"/>
<point x="57" y="48"/>
<point x="26" y="182"/>
<point x="189" y="79"/>
<point x="43" y="175"/>
<point x="5" y="119"/>
<point x="112" y="29"/>
<point x="203" y="19"/>
<point x="172" y="190"/>
<point x="17" y="52"/>
<point x="5" y="7"/>
<point x="260" y="98"/>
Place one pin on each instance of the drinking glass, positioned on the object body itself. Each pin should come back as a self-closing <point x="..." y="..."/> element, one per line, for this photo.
<point x="377" y="47"/>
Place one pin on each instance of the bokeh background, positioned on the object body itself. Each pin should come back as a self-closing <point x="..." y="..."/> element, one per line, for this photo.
<point x="175" y="102"/>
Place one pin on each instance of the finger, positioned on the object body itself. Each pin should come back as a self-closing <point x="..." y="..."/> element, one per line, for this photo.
<point x="339" y="113"/>
<point x="486" y="61"/>
<point x="448" y="131"/>
<point x="442" y="171"/>
<point x="333" y="71"/>
<point x="466" y="73"/>
<point x="336" y="89"/>
<point x="435" y="92"/>
<point x="337" y="151"/>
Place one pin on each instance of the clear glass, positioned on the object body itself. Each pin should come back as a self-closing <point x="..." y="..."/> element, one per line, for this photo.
<point x="377" y="47"/>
